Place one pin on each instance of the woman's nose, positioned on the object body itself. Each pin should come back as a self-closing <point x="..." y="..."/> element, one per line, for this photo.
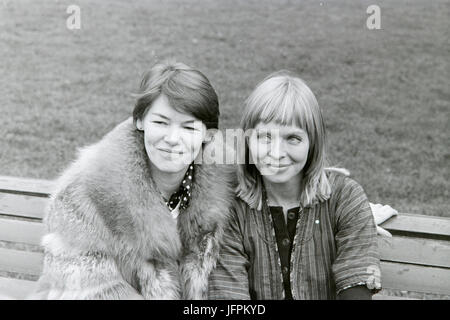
<point x="172" y="136"/>
<point x="277" y="149"/>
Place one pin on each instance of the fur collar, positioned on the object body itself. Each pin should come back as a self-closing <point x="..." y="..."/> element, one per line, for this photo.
<point x="113" y="176"/>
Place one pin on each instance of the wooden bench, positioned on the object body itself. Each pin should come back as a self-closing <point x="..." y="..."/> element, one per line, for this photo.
<point x="415" y="261"/>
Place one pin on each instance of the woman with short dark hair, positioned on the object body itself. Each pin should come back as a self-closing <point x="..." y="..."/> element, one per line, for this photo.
<point x="135" y="217"/>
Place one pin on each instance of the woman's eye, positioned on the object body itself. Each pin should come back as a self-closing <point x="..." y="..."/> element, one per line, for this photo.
<point x="189" y="128"/>
<point x="264" y="137"/>
<point x="159" y="122"/>
<point x="295" y="139"/>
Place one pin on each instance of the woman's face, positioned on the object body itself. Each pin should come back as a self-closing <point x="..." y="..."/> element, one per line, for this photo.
<point x="278" y="151"/>
<point x="172" y="139"/>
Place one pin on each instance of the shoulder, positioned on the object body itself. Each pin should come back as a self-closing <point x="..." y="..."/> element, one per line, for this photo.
<point x="100" y="160"/>
<point x="98" y="177"/>
<point x="348" y="201"/>
<point x="241" y="213"/>
<point x="213" y="194"/>
<point x="343" y="186"/>
<point x="215" y="183"/>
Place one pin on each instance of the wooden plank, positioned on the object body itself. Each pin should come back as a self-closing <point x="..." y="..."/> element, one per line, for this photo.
<point x="416" y="223"/>
<point x="22" y="205"/>
<point x="383" y="297"/>
<point x="411" y="277"/>
<point x="15" y="288"/>
<point x="26" y="185"/>
<point x="21" y="261"/>
<point x="415" y="250"/>
<point x="21" y="231"/>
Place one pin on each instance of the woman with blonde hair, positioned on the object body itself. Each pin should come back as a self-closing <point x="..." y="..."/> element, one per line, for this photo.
<point x="299" y="230"/>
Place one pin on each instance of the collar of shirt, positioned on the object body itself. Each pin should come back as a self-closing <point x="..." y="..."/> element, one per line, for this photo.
<point x="183" y="195"/>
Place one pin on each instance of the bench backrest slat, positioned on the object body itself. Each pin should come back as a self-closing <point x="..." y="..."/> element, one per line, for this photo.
<point x="415" y="251"/>
<point x="21" y="231"/>
<point x="417" y="278"/>
<point x="432" y="226"/>
<point x="16" y="288"/>
<point x="36" y="187"/>
<point x="22" y="262"/>
<point x="20" y="205"/>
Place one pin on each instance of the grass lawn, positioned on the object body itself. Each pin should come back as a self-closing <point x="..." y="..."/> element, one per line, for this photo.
<point x="385" y="93"/>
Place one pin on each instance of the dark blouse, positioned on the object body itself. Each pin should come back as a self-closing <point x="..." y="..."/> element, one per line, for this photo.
<point x="285" y="234"/>
<point x="183" y="194"/>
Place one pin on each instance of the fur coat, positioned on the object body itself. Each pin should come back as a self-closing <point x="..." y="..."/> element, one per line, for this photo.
<point x="111" y="236"/>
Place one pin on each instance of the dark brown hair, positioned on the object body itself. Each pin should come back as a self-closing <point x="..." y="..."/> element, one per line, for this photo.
<point x="187" y="89"/>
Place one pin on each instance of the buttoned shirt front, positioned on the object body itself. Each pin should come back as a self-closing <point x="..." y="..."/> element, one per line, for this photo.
<point x="285" y="234"/>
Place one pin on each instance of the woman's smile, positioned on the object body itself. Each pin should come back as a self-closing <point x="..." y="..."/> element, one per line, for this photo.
<point x="278" y="167"/>
<point x="170" y="151"/>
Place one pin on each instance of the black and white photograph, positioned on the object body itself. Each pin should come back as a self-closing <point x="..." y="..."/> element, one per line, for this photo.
<point x="224" y="150"/>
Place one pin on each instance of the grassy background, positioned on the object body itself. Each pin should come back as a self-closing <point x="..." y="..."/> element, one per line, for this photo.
<point x="385" y="93"/>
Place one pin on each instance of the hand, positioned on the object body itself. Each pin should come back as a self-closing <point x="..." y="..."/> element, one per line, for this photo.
<point x="380" y="214"/>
